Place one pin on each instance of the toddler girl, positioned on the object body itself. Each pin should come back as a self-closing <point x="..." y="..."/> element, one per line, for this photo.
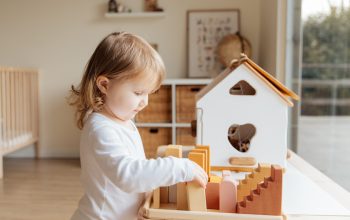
<point x="123" y="70"/>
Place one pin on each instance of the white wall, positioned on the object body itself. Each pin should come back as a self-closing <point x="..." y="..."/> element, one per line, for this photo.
<point x="58" y="37"/>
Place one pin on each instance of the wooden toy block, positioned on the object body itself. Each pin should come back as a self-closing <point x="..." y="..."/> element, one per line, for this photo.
<point x="215" y="179"/>
<point x="228" y="193"/>
<point x="156" y="198"/>
<point x="205" y="152"/>
<point x="185" y="150"/>
<point x="243" y="161"/>
<point x="196" y="199"/>
<point x="212" y="194"/>
<point x="181" y="195"/>
<point x="251" y="180"/>
<point x="174" y="150"/>
<point x="208" y="157"/>
<point x="197" y="157"/>
<point x="195" y="193"/>
<point x="232" y="168"/>
<point x="266" y="199"/>
<point x="173" y="193"/>
<point x="164" y="194"/>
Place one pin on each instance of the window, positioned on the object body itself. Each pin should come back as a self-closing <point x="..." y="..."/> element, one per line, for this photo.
<point x="242" y="88"/>
<point x="323" y="119"/>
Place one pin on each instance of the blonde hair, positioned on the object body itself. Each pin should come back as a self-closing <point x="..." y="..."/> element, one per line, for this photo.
<point x="122" y="56"/>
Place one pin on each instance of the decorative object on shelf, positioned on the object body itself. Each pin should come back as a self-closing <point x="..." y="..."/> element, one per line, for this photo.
<point x="231" y="46"/>
<point x="112" y="6"/>
<point x="123" y="9"/>
<point x="155" y="46"/>
<point x="205" y="28"/>
<point x="152" y="5"/>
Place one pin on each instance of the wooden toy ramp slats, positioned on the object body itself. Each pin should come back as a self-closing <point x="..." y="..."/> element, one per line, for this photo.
<point x="251" y="180"/>
<point x="266" y="199"/>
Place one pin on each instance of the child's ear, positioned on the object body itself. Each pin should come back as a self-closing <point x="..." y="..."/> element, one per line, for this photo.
<point x="102" y="83"/>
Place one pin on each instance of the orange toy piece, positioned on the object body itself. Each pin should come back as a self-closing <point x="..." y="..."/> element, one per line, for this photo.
<point x="252" y="180"/>
<point x="196" y="198"/>
<point x="208" y="156"/>
<point x="266" y="199"/>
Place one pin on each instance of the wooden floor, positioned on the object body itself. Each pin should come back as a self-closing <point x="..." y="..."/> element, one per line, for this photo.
<point x="45" y="189"/>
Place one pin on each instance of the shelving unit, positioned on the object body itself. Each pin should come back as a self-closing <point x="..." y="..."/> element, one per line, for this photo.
<point x="135" y="15"/>
<point x="167" y="118"/>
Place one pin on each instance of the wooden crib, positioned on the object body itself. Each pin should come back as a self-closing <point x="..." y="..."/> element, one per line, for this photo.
<point x="19" y="119"/>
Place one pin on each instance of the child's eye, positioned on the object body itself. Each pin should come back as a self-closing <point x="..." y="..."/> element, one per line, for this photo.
<point x="138" y="93"/>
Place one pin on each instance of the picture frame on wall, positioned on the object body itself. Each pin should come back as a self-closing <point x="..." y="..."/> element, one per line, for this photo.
<point x="205" y="28"/>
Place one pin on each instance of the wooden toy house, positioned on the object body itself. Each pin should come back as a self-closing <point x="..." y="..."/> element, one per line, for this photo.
<point x="243" y="112"/>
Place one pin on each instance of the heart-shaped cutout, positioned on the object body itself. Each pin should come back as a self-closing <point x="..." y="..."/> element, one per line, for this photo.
<point x="240" y="136"/>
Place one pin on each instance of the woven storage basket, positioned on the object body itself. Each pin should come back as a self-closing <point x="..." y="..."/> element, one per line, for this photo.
<point x="154" y="137"/>
<point x="184" y="136"/>
<point x="186" y="103"/>
<point x="158" y="109"/>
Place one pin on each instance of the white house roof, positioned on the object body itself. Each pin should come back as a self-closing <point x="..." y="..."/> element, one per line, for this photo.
<point x="268" y="79"/>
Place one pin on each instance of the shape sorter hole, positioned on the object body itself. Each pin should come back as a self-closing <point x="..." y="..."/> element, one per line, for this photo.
<point x="240" y="136"/>
<point x="242" y="88"/>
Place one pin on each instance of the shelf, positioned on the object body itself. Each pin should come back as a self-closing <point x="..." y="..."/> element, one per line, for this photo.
<point x="161" y="125"/>
<point x="167" y="119"/>
<point x="164" y="125"/>
<point x="135" y="15"/>
<point x="187" y="81"/>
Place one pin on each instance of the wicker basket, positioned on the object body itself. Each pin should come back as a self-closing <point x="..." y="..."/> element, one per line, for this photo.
<point x="184" y="136"/>
<point x="158" y="109"/>
<point x="154" y="137"/>
<point x="185" y="102"/>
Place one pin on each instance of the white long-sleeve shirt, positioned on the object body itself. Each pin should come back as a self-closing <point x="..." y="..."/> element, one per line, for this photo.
<point x="115" y="173"/>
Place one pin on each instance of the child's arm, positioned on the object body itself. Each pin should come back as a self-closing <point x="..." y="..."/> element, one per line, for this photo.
<point x="132" y="174"/>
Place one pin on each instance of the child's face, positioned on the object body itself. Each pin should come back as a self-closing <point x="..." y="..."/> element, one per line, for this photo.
<point x="126" y="99"/>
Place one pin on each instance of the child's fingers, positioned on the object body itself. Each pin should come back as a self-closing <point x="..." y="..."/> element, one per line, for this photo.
<point x="203" y="183"/>
<point x="202" y="173"/>
<point x="201" y="169"/>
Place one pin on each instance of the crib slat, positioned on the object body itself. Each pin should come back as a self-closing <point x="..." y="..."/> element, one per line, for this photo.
<point x="16" y="100"/>
<point x="21" y="100"/>
<point x="19" y="117"/>
<point x="2" y="115"/>
<point x="13" y="110"/>
<point x="8" y="108"/>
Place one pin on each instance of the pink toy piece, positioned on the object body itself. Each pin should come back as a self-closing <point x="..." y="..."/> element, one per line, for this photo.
<point x="212" y="193"/>
<point x="228" y="193"/>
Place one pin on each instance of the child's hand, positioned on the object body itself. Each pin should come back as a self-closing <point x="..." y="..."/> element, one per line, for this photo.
<point x="200" y="176"/>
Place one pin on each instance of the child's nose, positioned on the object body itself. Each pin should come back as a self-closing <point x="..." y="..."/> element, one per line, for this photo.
<point x="144" y="101"/>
